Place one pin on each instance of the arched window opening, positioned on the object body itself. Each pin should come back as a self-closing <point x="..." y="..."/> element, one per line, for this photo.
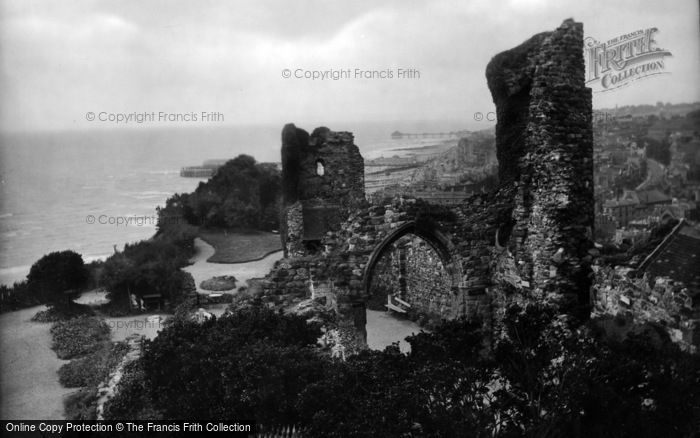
<point x="320" y="168"/>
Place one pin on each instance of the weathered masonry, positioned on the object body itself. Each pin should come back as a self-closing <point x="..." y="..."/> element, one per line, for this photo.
<point x="323" y="177"/>
<point x="544" y="145"/>
<point x="528" y="240"/>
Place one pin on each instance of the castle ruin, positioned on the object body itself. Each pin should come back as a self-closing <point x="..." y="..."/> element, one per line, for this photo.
<point x="529" y="240"/>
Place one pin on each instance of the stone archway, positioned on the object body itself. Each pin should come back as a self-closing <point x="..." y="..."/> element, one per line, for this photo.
<point x="416" y="268"/>
<point x="437" y="241"/>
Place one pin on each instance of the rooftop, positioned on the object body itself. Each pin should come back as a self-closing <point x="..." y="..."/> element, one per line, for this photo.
<point x="653" y="196"/>
<point x="677" y="257"/>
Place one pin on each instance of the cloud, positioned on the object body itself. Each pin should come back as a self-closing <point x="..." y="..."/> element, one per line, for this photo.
<point x="58" y="61"/>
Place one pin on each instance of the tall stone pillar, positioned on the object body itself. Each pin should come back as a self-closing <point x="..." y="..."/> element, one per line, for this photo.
<point x="544" y="141"/>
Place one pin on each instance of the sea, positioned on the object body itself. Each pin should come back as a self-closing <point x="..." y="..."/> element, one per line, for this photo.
<point x="94" y="191"/>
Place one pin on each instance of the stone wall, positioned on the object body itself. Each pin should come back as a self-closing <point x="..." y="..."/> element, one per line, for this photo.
<point x="293" y="230"/>
<point x="290" y="281"/>
<point x="414" y="271"/>
<point x="323" y="181"/>
<point x="428" y="284"/>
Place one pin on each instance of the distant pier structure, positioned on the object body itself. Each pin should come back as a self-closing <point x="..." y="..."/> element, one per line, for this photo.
<point x="197" y="172"/>
<point x="206" y="170"/>
<point x="397" y="135"/>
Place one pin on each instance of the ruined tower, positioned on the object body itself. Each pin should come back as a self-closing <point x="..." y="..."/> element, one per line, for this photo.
<point x="323" y="181"/>
<point x="544" y="144"/>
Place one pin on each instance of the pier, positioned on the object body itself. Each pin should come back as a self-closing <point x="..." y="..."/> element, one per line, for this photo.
<point x="397" y="135"/>
<point x="197" y="172"/>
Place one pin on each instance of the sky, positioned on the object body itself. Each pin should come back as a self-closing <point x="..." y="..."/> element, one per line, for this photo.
<point x="62" y="60"/>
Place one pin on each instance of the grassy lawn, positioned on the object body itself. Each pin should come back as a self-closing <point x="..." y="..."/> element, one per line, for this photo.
<point x="240" y="247"/>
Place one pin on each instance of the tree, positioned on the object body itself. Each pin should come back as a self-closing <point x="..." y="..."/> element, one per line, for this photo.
<point x="657" y="150"/>
<point x="119" y="278"/>
<point x="57" y="273"/>
<point x="151" y="267"/>
<point x="242" y="194"/>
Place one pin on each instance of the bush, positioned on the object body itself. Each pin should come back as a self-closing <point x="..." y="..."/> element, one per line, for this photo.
<point x="148" y="267"/>
<point x="543" y="378"/>
<point x="250" y="364"/>
<point x="57" y="273"/>
<point x="436" y="390"/>
<point x="48" y="280"/>
<point x="81" y="405"/>
<point x="94" y="368"/>
<point x="78" y="336"/>
<point x="54" y="314"/>
<point x="19" y="296"/>
<point x="132" y="400"/>
<point x="219" y="283"/>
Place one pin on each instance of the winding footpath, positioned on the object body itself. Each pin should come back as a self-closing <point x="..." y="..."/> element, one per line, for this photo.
<point x="29" y="388"/>
<point x="202" y="270"/>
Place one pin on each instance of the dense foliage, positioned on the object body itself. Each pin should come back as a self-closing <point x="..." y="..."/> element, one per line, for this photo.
<point x="149" y="267"/>
<point x="80" y="405"/>
<point x="133" y="400"/>
<point x="242" y="194"/>
<point x="19" y="296"/>
<point x="78" y="336"/>
<point x="94" y="367"/>
<point x="57" y="274"/>
<point x="252" y="364"/>
<point x="542" y="379"/>
<point x="146" y="267"/>
<point x="56" y="279"/>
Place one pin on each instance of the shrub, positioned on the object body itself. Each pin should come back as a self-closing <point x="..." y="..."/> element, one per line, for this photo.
<point x="81" y="405"/>
<point x="94" y="368"/>
<point x="57" y="273"/>
<point x="54" y="314"/>
<point x="250" y="364"/>
<point x="436" y="390"/>
<point x="132" y="399"/>
<point x="78" y="336"/>
<point x="543" y="378"/>
<point x="148" y="267"/>
<point x="18" y="296"/>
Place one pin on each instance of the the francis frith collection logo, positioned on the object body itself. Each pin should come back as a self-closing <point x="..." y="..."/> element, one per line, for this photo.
<point x="624" y="59"/>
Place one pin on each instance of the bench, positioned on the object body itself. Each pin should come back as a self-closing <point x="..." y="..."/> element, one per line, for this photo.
<point x="398" y="305"/>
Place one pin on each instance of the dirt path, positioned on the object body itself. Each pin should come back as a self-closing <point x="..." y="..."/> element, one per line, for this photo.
<point x="383" y="329"/>
<point x="202" y="270"/>
<point x="29" y="388"/>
